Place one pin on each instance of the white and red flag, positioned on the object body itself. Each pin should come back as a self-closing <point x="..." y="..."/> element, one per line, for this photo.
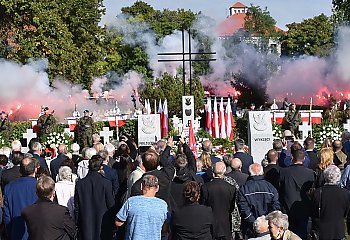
<point x="230" y="123"/>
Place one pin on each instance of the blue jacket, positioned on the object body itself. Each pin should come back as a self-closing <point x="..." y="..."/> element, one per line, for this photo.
<point x="257" y="197"/>
<point x="18" y="194"/>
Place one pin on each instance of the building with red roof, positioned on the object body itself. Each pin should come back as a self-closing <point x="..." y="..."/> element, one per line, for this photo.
<point x="235" y="23"/>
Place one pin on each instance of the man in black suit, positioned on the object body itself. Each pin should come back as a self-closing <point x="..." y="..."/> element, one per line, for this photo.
<point x="295" y="181"/>
<point x="309" y="146"/>
<point x="46" y="219"/>
<point x="13" y="173"/>
<point x="220" y="196"/>
<point x="37" y="151"/>
<point x="56" y="163"/>
<point x="207" y="146"/>
<point x="236" y="173"/>
<point x="94" y="203"/>
<point x="241" y="154"/>
<point x="272" y="170"/>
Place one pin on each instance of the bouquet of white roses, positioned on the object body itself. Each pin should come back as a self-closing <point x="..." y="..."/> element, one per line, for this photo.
<point x="56" y="139"/>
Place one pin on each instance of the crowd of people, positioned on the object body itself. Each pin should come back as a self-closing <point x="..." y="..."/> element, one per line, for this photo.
<point x="120" y="191"/>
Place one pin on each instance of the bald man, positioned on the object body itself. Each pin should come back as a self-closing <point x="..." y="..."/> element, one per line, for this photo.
<point x="256" y="197"/>
<point x="220" y="196"/>
<point x="236" y="173"/>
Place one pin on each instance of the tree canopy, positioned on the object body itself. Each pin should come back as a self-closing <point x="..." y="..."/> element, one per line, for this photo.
<point x="314" y="36"/>
<point x="341" y="10"/>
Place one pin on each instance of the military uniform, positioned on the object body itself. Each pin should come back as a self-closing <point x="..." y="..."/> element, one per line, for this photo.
<point x="85" y="130"/>
<point x="5" y="128"/>
<point x="292" y="121"/>
<point x="346" y="115"/>
<point x="45" y="123"/>
<point x="331" y="116"/>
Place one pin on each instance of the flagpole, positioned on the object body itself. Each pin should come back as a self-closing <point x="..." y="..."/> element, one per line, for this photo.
<point x="310" y="117"/>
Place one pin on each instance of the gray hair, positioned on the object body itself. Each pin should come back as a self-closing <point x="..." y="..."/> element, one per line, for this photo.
<point x="219" y="169"/>
<point x="16" y="145"/>
<point x="277" y="144"/>
<point x="256" y="169"/>
<point x="103" y="154"/>
<point x="346" y="136"/>
<point x="6" y="151"/>
<point x="75" y="147"/>
<point x="278" y="219"/>
<point x="332" y="175"/>
<point x="260" y="225"/>
<point x="37" y="146"/>
<point x="149" y="181"/>
<point x="89" y="153"/>
<point x="65" y="173"/>
<point x="110" y="148"/>
<point x="239" y="144"/>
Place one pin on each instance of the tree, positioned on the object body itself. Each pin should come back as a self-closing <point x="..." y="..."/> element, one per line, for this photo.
<point x="313" y="36"/>
<point x="64" y="32"/>
<point x="259" y="23"/>
<point x="341" y="11"/>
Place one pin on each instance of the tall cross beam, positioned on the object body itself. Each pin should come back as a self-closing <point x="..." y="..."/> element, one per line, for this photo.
<point x="184" y="60"/>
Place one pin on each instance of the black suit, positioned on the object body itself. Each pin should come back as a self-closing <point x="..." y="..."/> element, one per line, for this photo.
<point x="220" y="196"/>
<point x="272" y="174"/>
<point x="48" y="220"/>
<point x="295" y="182"/>
<point x="314" y="161"/>
<point x="246" y="159"/>
<point x="41" y="160"/>
<point x="335" y="206"/>
<point x="9" y="175"/>
<point x="238" y="176"/>
<point x="193" y="221"/>
<point x="93" y="205"/>
<point x="56" y="164"/>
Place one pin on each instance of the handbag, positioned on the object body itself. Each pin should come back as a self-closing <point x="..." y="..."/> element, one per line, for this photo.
<point x="314" y="234"/>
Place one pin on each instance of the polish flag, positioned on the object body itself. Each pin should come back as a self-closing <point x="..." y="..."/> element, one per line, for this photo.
<point x="222" y="119"/>
<point x="165" y="126"/>
<point x="192" y="141"/>
<point x="215" y="121"/>
<point x="208" y="115"/>
<point x="230" y="123"/>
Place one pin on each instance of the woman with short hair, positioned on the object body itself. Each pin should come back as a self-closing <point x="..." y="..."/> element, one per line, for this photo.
<point x="278" y="226"/>
<point x="330" y="205"/>
<point x="192" y="221"/>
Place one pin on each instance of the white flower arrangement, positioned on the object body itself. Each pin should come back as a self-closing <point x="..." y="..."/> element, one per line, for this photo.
<point x="56" y="139"/>
<point x="322" y="132"/>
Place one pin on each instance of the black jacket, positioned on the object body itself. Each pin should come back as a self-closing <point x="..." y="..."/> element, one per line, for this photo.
<point x="246" y="159"/>
<point x="238" y="176"/>
<point x="48" y="220"/>
<point x="257" y="197"/>
<point x="335" y="206"/>
<point x="193" y="221"/>
<point x="94" y="203"/>
<point x="314" y="161"/>
<point x="295" y="182"/>
<point x="272" y="174"/>
<point x="42" y="161"/>
<point x="9" y="175"/>
<point x="55" y="165"/>
<point x="220" y="196"/>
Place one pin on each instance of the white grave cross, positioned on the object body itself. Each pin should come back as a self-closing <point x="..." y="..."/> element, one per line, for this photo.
<point x="29" y="135"/>
<point x="106" y="133"/>
<point x="305" y="128"/>
<point x="347" y="125"/>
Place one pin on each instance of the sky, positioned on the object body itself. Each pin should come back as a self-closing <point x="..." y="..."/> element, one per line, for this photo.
<point x="283" y="11"/>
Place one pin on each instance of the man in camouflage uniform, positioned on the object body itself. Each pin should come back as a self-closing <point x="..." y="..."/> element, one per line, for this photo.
<point x="332" y="115"/>
<point x="346" y="114"/>
<point x="292" y="119"/>
<point x="85" y="130"/>
<point x="5" y="127"/>
<point x="45" y="122"/>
